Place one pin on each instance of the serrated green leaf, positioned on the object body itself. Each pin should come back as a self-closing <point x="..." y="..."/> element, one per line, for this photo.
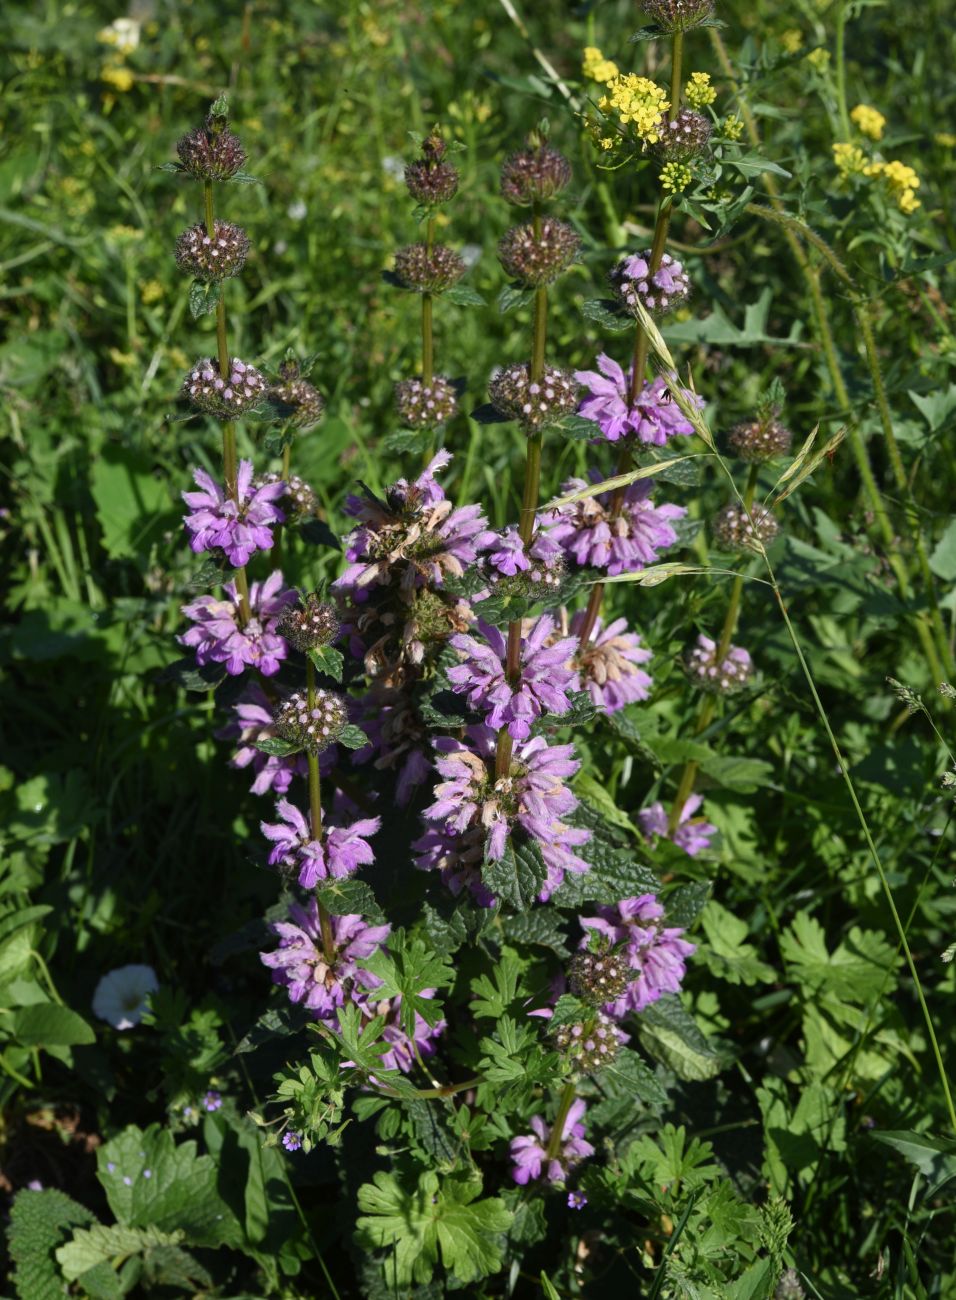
<point x="101" y="1244"/>
<point x="726" y="953"/>
<point x="406" y="968"/>
<point x="180" y="1189"/>
<point x="438" y="1218"/>
<point x="328" y="660"/>
<point x="39" y="1222"/>
<point x="463" y="296"/>
<point x="132" y="503"/>
<point x="204" y="297"/>
<point x="352" y="737"/>
<point x="278" y="747"/>
<point x="606" y="313"/>
<point x="403" y="440"/>
<point x="186" y="673"/>
<point x="512" y="297"/>
<point x="670" y="1033"/>
<point x="350" y="897"/>
<point x="517" y="877"/>
<point x="629" y="1076"/>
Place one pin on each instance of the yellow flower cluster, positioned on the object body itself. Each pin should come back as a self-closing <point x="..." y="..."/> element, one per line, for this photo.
<point x="596" y="67"/>
<point x="732" y="127"/>
<point x="819" y="58"/>
<point x="869" y="120"/>
<point x="791" y="40"/>
<point x="675" y="176"/>
<point x="637" y="101"/>
<point x="118" y="77"/>
<point x="699" y="92"/>
<point x="946" y="139"/>
<point x="901" y="180"/>
<point x="850" y="159"/>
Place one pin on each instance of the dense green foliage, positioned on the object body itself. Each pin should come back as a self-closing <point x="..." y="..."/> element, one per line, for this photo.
<point x="789" y="1110"/>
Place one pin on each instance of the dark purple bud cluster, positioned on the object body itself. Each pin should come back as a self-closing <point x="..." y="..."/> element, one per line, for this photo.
<point x="312" y="623"/>
<point x="430" y="179"/>
<point x="212" y="257"/>
<point x="598" y="977"/>
<point x="588" y="1045"/>
<point x="534" y="405"/>
<point x="314" y="726"/>
<point x="425" y="406"/>
<point x="534" y="174"/>
<point x="687" y="135"/>
<point x="428" y="270"/>
<point x="229" y="396"/>
<point x="306" y="403"/>
<point x="538" y="256"/>
<point x="734" y="529"/>
<point x="211" y="152"/>
<point x="760" y="440"/>
<point x="299" y="501"/>
<point x="678" y="15"/>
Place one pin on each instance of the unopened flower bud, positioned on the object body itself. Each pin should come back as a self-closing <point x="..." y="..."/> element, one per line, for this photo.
<point x="588" y="1045"/>
<point x="678" y="15"/>
<point x="215" y="257"/>
<point x="723" y="675"/>
<point x="309" y="625"/>
<point x="211" y="152"/>
<point x="598" y="977"/>
<point x="534" y="174"/>
<point x="789" y="1287"/>
<point x="662" y="291"/>
<point x="428" y="270"/>
<point x="535" y="257"/>
<point x="430" y="179"/>
<point x="687" y="135"/>
<point x="226" y="397"/>
<point x="760" y="440"/>
<point x="733" y="529"/>
<point x="534" y="405"/>
<point x="305" y="404"/>
<point x="313" y="727"/>
<point x="425" y="406"/>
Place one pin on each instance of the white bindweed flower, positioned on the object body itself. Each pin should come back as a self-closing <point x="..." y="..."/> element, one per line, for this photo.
<point x="120" y="996"/>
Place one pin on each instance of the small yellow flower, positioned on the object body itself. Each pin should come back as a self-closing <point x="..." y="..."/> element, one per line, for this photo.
<point x="732" y="127"/>
<point x="608" y="141"/>
<point x="637" y="102"/>
<point x="675" y="176"/>
<point x="700" y="92"/>
<point x="596" y="67"/>
<point x="118" y="77"/>
<point x="850" y="160"/>
<point x="819" y="58"/>
<point x="946" y="139"/>
<point x="869" y="120"/>
<point x="152" y="291"/>
<point x="791" y="40"/>
<point x="903" y="183"/>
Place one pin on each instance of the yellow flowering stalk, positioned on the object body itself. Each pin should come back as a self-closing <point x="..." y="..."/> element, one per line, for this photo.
<point x="903" y="183"/>
<point x="638" y="102"/>
<point x="791" y="40"/>
<point x="597" y="68"/>
<point x="699" y="92"/>
<point x="119" y="78"/>
<point x="869" y="121"/>
<point x="732" y="127"/>
<point x="850" y="160"/>
<point x="819" y="59"/>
